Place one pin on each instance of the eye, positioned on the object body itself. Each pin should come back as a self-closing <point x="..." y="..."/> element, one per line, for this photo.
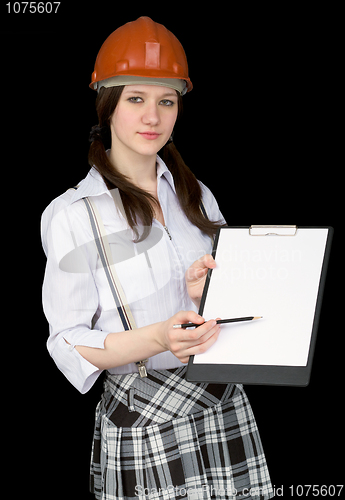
<point x="167" y="102"/>
<point x="135" y="100"/>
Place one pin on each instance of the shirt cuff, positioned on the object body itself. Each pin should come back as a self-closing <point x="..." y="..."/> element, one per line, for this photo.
<point x="80" y="372"/>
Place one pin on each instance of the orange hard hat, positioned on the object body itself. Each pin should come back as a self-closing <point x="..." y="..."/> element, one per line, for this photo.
<point x="141" y="48"/>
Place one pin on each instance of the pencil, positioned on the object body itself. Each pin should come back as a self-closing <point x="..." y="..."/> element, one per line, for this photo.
<point x="219" y="321"/>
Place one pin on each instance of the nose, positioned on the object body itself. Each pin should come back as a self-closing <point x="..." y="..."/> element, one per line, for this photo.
<point x="151" y="114"/>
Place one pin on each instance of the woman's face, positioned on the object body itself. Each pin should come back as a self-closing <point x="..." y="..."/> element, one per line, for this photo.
<point x="144" y="119"/>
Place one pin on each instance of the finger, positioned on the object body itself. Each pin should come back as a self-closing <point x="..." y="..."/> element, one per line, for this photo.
<point x="212" y="327"/>
<point x="191" y="335"/>
<point x="200" y="334"/>
<point x="189" y="348"/>
<point x="188" y="317"/>
<point x="206" y="261"/>
<point x="203" y="347"/>
<point x="200" y="267"/>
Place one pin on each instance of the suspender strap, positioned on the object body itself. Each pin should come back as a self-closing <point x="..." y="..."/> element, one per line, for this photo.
<point x="105" y="255"/>
<point x="203" y="209"/>
<point x="104" y="252"/>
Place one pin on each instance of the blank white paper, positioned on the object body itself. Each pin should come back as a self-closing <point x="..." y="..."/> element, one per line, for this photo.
<point x="276" y="277"/>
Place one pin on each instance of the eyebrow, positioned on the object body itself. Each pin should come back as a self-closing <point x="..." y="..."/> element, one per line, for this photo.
<point x="134" y="91"/>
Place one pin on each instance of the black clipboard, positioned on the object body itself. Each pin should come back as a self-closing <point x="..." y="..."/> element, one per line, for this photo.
<point x="260" y="374"/>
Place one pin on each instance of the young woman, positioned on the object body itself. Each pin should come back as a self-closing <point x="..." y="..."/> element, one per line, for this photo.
<point x="127" y="255"/>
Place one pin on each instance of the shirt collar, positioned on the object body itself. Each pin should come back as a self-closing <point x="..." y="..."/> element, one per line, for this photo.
<point x="163" y="171"/>
<point x="94" y="185"/>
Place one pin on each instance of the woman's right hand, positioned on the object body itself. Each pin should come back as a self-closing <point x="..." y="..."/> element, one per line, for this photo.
<point x="184" y="343"/>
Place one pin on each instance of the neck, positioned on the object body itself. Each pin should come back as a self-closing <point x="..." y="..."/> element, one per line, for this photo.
<point x="139" y="169"/>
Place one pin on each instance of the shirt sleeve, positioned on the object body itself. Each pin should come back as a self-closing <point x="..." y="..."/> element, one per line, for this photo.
<point x="70" y="296"/>
<point x="211" y="205"/>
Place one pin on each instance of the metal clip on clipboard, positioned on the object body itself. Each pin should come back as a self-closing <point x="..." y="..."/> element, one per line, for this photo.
<point x="272" y="230"/>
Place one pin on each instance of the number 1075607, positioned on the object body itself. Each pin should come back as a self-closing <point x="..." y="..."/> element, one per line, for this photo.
<point x="32" y="7"/>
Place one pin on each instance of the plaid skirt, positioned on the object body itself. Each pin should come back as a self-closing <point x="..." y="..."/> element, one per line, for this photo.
<point x="162" y="437"/>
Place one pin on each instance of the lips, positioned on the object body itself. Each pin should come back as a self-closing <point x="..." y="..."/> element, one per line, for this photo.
<point x="149" y="135"/>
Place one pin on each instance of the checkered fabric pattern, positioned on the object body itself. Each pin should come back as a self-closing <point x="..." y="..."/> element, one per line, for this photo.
<point x="164" y="438"/>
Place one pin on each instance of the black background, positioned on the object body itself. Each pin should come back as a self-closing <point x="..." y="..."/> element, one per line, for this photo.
<point x="260" y="129"/>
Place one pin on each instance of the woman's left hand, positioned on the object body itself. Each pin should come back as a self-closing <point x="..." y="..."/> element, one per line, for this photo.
<point x="196" y="276"/>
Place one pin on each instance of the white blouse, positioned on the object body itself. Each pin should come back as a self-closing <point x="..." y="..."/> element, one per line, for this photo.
<point x="77" y="300"/>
